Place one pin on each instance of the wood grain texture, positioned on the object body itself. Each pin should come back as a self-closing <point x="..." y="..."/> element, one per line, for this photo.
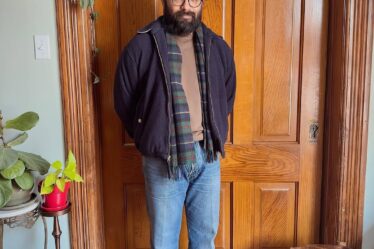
<point x="314" y="57"/>
<point x="137" y="223"/>
<point x="243" y="219"/>
<point x="350" y="45"/>
<point x="120" y="157"/>
<point x="274" y="215"/>
<point x="300" y="52"/>
<point x="80" y="124"/>
<point x="316" y="246"/>
<point x="261" y="162"/>
<point x="244" y="39"/>
<point x="277" y="52"/>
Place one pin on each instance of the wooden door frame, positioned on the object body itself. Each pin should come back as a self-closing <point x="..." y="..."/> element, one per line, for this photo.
<point x="345" y="133"/>
<point x="346" y="121"/>
<point x="81" y="127"/>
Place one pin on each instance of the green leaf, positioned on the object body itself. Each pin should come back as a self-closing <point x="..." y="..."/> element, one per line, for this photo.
<point x="18" y="140"/>
<point x="34" y="162"/>
<point x="57" y="165"/>
<point x="13" y="171"/>
<point x="71" y="163"/>
<point x="25" y="181"/>
<point x="8" y="157"/>
<point x="70" y="174"/>
<point x="60" y="184"/>
<point x="24" y="122"/>
<point x="46" y="189"/>
<point x="50" y="180"/>
<point x="57" y="173"/>
<point x="6" y="191"/>
<point x="78" y="178"/>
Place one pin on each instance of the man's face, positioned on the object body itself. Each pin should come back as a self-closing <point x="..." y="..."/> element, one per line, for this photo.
<point x="181" y="19"/>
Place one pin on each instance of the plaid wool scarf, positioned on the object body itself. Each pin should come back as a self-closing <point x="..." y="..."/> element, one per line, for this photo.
<point x="181" y="140"/>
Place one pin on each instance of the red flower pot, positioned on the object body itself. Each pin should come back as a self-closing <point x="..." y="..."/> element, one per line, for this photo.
<point x="56" y="200"/>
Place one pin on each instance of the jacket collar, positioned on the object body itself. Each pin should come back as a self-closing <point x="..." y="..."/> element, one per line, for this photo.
<point x="157" y="31"/>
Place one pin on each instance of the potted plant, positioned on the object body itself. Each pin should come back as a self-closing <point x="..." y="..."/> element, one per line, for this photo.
<point x="55" y="186"/>
<point x="16" y="167"/>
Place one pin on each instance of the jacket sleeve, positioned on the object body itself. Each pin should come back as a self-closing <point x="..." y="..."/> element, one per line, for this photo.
<point x="126" y="79"/>
<point x="230" y="82"/>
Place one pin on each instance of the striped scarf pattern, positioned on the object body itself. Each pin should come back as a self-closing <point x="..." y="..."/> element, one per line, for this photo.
<point x="181" y="140"/>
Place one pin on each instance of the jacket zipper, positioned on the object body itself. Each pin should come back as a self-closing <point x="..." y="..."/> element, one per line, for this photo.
<point x="210" y="97"/>
<point x="167" y="87"/>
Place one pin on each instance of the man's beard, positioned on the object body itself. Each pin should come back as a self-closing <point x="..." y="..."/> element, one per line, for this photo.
<point x="176" y="24"/>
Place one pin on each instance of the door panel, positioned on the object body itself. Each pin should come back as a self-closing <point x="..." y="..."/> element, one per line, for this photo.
<point x="277" y="53"/>
<point x="270" y="190"/>
<point x="274" y="215"/>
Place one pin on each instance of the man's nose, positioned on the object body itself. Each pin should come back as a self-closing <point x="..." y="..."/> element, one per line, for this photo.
<point x="186" y="5"/>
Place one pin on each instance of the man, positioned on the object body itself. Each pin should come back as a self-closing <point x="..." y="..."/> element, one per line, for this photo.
<point x="174" y="88"/>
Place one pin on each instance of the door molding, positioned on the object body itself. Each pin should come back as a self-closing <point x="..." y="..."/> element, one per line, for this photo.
<point x="80" y="124"/>
<point x="346" y="121"/>
<point x="345" y="134"/>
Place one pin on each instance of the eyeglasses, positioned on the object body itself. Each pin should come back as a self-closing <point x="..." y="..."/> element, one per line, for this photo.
<point x="192" y="3"/>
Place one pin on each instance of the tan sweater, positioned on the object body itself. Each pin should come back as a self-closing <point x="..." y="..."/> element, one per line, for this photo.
<point x="190" y="84"/>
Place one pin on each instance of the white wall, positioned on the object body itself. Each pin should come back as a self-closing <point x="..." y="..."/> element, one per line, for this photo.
<point x="368" y="240"/>
<point x="27" y="84"/>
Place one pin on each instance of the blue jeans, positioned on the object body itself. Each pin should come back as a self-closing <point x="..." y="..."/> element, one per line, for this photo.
<point x="199" y="191"/>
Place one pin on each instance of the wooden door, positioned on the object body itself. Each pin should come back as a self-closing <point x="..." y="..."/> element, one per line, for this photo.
<point x="271" y="176"/>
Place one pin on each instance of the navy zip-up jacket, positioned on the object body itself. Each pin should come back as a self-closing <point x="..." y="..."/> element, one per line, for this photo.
<point x="142" y="97"/>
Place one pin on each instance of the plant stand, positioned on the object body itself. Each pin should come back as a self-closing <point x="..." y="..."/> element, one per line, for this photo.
<point x="23" y="215"/>
<point x="56" y="225"/>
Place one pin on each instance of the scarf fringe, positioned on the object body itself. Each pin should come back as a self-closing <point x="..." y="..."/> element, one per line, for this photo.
<point x="175" y="172"/>
<point x="211" y="156"/>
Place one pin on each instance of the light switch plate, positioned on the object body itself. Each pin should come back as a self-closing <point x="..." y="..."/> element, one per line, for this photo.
<point x="41" y="45"/>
